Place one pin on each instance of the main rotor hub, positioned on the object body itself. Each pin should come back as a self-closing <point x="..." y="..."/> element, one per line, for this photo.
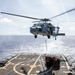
<point x="45" y="19"/>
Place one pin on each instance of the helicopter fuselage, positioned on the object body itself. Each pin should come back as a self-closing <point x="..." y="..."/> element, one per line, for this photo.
<point x="40" y="28"/>
<point x="45" y="29"/>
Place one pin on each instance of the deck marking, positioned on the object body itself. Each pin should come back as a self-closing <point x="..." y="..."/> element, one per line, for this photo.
<point x="14" y="68"/>
<point x="41" y="64"/>
<point x="34" y="64"/>
<point x="62" y="66"/>
<point x="9" y="62"/>
<point x="68" y="72"/>
<point x="2" y="68"/>
<point x="68" y="67"/>
<point x="37" y="71"/>
<point x="7" y="65"/>
<point x="14" y="58"/>
<point x="22" y="64"/>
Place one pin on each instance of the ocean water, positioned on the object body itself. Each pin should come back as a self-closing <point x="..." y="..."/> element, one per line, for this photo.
<point x="15" y="44"/>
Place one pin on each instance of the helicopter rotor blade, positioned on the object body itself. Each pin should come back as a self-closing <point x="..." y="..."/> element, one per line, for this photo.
<point x="37" y="21"/>
<point x="20" y="16"/>
<point x="63" y="13"/>
<point x="45" y="19"/>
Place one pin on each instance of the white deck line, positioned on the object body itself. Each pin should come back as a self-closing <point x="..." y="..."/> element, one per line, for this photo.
<point x="14" y="69"/>
<point x="9" y="62"/>
<point x="14" y="58"/>
<point x="68" y="67"/>
<point x="34" y="64"/>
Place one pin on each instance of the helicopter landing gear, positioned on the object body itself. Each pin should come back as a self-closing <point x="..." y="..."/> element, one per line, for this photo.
<point x="48" y="36"/>
<point x="35" y="36"/>
<point x="55" y="38"/>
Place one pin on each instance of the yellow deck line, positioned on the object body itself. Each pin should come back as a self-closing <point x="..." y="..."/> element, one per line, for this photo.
<point x="34" y="65"/>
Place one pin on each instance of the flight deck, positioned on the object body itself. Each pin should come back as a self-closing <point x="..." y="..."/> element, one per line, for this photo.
<point x="34" y="64"/>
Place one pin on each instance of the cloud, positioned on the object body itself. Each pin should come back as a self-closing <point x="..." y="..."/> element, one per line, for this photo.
<point x="40" y="9"/>
<point x="5" y="20"/>
<point x="52" y="6"/>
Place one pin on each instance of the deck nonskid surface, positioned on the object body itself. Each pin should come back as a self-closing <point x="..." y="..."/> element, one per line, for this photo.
<point x="30" y="64"/>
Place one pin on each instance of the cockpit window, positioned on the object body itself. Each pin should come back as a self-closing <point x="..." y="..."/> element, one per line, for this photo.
<point x="35" y="25"/>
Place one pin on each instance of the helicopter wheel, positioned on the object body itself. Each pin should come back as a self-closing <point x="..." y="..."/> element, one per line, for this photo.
<point x="35" y="36"/>
<point x="48" y="36"/>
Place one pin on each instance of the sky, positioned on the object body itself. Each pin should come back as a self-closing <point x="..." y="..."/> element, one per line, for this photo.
<point x="11" y="25"/>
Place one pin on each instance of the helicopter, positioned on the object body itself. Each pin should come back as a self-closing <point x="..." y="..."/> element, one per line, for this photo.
<point x="43" y="26"/>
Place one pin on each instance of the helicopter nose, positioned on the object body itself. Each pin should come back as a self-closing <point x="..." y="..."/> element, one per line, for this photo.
<point x="32" y="29"/>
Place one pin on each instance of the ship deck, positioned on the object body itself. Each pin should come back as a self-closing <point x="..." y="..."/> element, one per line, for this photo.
<point x="32" y="64"/>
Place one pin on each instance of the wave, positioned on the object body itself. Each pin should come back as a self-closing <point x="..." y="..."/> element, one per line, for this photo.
<point x="15" y="44"/>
